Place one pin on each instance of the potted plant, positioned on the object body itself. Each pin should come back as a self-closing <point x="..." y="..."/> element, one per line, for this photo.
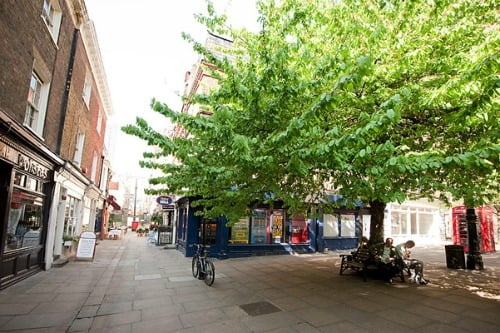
<point x="68" y="240"/>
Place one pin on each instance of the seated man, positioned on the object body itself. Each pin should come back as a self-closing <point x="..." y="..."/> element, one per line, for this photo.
<point x="403" y="252"/>
<point x="386" y="255"/>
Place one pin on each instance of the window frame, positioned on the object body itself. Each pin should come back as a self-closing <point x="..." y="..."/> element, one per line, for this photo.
<point x="87" y="90"/>
<point x="36" y="104"/>
<point x="93" y="173"/>
<point x="99" y="122"/>
<point x="80" y="140"/>
<point x="52" y="17"/>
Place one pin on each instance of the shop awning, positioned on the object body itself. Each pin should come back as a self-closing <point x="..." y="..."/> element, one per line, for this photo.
<point x="112" y="202"/>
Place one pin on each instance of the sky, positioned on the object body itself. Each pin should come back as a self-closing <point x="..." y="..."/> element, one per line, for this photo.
<point x="145" y="57"/>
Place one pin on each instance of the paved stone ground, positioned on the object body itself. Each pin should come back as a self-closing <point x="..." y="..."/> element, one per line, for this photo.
<point x="132" y="286"/>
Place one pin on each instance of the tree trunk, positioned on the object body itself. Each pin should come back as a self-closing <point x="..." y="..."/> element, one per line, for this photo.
<point x="377" y="222"/>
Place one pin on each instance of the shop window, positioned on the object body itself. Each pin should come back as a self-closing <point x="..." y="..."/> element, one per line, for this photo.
<point x="183" y="223"/>
<point x="330" y="226"/>
<point x="398" y="223"/>
<point x="277" y="225"/>
<point x="208" y="231"/>
<point x="333" y="226"/>
<point x="413" y="221"/>
<point x="25" y="213"/>
<point x="260" y="227"/>
<point x="425" y="223"/>
<point x="239" y="231"/>
<point x="406" y="220"/>
<point x="347" y="225"/>
<point x="71" y="215"/>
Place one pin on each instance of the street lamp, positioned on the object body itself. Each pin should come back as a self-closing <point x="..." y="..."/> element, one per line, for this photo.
<point x="135" y="199"/>
<point x="474" y="259"/>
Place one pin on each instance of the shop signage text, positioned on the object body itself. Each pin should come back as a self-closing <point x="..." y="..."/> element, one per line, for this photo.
<point x="24" y="162"/>
<point x="164" y="200"/>
<point x="29" y="165"/>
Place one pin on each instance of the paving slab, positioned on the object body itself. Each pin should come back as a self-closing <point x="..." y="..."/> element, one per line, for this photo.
<point x="132" y="286"/>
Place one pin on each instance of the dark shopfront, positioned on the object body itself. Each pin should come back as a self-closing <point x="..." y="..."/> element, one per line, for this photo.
<point x="266" y="232"/>
<point x="25" y="178"/>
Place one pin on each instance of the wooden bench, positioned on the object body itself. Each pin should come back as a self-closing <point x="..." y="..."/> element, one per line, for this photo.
<point x="364" y="260"/>
<point x="361" y="261"/>
<point x="402" y="269"/>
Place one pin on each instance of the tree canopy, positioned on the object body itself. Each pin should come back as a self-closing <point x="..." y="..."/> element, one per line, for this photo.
<point x="379" y="101"/>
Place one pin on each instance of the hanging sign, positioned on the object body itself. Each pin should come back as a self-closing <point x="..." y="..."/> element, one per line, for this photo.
<point x="164" y="200"/>
<point x="86" y="246"/>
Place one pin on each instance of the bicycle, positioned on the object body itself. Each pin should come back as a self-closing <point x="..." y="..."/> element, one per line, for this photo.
<point x="202" y="267"/>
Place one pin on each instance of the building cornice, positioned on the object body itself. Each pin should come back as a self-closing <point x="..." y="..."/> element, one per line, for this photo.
<point x="82" y="21"/>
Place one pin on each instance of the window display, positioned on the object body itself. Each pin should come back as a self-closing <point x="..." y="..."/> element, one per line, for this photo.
<point x="259" y="227"/>
<point x="299" y="229"/>
<point x="239" y="232"/>
<point x="277" y="225"/>
<point x="25" y="219"/>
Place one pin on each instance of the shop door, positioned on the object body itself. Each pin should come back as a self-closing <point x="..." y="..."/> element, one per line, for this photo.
<point x="208" y="235"/>
<point x="299" y="230"/>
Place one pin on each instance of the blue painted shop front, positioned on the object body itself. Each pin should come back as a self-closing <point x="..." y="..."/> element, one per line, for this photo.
<point x="267" y="232"/>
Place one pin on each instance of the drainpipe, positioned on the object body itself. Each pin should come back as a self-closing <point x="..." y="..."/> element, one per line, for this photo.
<point x="64" y="104"/>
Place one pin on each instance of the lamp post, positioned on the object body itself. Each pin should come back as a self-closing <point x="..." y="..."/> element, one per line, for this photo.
<point x="135" y="199"/>
<point x="474" y="259"/>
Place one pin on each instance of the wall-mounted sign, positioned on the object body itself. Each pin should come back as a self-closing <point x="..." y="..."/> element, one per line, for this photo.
<point x="164" y="200"/>
<point x="31" y="166"/>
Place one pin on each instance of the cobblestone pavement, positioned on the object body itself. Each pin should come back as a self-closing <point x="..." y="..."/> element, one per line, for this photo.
<point x="132" y="286"/>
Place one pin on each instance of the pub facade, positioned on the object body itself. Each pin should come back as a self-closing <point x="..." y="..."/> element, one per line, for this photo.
<point x="267" y="231"/>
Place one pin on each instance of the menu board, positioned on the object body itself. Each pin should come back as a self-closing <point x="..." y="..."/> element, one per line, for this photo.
<point x="86" y="246"/>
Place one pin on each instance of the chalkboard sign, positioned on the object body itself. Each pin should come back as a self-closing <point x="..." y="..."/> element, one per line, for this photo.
<point x="86" y="246"/>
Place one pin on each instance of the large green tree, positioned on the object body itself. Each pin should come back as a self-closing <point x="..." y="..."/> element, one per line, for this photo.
<point x="381" y="100"/>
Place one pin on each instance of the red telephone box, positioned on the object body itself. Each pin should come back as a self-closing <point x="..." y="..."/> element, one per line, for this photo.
<point x="485" y="217"/>
<point x="459" y="226"/>
<point x="135" y="225"/>
<point x="485" y="228"/>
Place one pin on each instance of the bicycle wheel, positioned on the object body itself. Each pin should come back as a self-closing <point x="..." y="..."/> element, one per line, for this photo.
<point x="195" y="266"/>
<point x="209" y="273"/>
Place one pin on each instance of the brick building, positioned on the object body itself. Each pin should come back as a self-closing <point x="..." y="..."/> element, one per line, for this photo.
<point x="54" y="105"/>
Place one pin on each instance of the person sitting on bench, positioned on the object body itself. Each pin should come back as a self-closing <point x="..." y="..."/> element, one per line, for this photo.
<point x="403" y="251"/>
<point x="386" y="255"/>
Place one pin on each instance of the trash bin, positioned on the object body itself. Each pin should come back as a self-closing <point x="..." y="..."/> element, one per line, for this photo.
<point x="455" y="257"/>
